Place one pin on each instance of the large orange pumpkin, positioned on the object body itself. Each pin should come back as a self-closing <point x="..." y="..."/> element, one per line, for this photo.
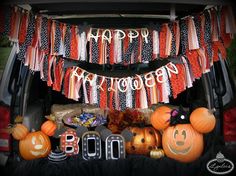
<point x="160" y="118"/>
<point x="19" y="131"/>
<point x="182" y="143"/>
<point x="143" y="141"/>
<point x="49" y="128"/>
<point x="203" y="120"/>
<point x="35" y="145"/>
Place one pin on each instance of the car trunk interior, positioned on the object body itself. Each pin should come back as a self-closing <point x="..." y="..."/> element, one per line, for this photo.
<point x="113" y="14"/>
<point x="36" y="99"/>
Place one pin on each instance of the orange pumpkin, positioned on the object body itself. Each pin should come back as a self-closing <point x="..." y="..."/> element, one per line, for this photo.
<point x="143" y="141"/>
<point x="35" y="145"/>
<point x="19" y="131"/>
<point x="160" y="117"/>
<point x="203" y="120"/>
<point x="49" y="128"/>
<point x="182" y="143"/>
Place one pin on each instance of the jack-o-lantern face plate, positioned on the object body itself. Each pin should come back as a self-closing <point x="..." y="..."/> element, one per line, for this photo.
<point x="35" y="145"/>
<point x="182" y="142"/>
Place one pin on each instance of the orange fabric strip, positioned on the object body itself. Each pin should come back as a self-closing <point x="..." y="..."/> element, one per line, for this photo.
<point x="162" y="42"/>
<point x="74" y="44"/>
<point x="103" y="95"/>
<point x="23" y="28"/>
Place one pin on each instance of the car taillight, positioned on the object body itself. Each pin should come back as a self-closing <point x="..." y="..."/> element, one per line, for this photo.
<point x="229" y="125"/>
<point x="4" y="135"/>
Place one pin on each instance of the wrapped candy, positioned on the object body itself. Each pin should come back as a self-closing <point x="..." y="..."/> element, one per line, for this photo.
<point x="85" y="119"/>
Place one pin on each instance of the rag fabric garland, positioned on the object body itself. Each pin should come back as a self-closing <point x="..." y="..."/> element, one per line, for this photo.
<point x="206" y="34"/>
<point x="139" y="91"/>
<point x="46" y="45"/>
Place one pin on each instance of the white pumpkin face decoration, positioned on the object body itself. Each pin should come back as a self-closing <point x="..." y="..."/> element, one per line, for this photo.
<point x="35" y="145"/>
<point x="38" y="146"/>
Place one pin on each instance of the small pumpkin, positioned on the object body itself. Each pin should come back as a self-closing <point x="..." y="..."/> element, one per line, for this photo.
<point x="35" y="145"/>
<point x="49" y="128"/>
<point x="182" y="142"/>
<point x="160" y="118"/>
<point x="203" y="120"/>
<point x="143" y="141"/>
<point x="19" y="131"/>
<point x="157" y="153"/>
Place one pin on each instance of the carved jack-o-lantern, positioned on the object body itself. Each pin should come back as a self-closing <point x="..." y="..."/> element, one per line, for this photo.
<point x="35" y="145"/>
<point x="182" y="142"/>
<point x="69" y="142"/>
<point x="144" y="140"/>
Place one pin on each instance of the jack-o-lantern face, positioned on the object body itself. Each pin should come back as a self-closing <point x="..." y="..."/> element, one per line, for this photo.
<point x="180" y="145"/>
<point x="35" y="145"/>
<point x="182" y="142"/>
<point x="143" y="141"/>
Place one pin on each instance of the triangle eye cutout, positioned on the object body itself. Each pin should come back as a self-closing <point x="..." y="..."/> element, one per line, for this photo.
<point x="174" y="113"/>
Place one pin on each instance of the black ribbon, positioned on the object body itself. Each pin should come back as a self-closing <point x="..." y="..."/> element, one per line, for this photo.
<point x="153" y="26"/>
<point x="179" y="116"/>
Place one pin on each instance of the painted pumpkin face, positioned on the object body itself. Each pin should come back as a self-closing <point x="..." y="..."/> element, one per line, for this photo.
<point x="182" y="143"/>
<point x="35" y="145"/>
